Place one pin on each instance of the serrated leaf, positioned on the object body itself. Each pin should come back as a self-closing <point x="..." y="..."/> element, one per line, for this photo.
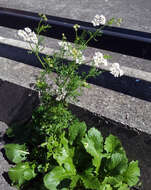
<point x="112" y="144"/>
<point x="111" y="180"/>
<point x="74" y="180"/>
<point x="124" y="187"/>
<point x="16" y="152"/>
<point x="93" y="143"/>
<point x="132" y="174"/>
<point x="21" y="173"/>
<point x="118" y="162"/>
<point x="115" y="159"/>
<point x="64" y="155"/>
<point x="76" y="131"/>
<point x="54" y="177"/>
<point x="90" y="181"/>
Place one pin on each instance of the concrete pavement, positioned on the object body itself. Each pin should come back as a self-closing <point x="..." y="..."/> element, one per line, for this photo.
<point x="135" y="15"/>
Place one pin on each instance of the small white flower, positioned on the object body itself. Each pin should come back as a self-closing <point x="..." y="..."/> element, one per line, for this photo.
<point x="99" y="59"/>
<point x="28" y="35"/>
<point x="22" y="34"/>
<point x="33" y="38"/>
<point x="28" y="30"/>
<point x="77" y="55"/>
<point x="115" y="70"/>
<point x="99" y="19"/>
<point x="62" y="95"/>
<point x="64" y="45"/>
<point x="80" y="60"/>
<point x="104" y="62"/>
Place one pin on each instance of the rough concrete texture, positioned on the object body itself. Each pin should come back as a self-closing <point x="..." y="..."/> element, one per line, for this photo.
<point x="135" y="14"/>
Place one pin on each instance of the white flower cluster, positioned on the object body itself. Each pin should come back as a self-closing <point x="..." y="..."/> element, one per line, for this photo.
<point x="28" y="35"/>
<point x="98" y="19"/>
<point x="76" y="54"/>
<point x="99" y="59"/>
<point x="65" y="45"/>
<point x="116" y="70"/>
<point x="80" y="59"/>
<point x="62" y="95"/>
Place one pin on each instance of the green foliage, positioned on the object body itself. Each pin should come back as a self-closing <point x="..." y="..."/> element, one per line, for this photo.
<point x="21" y="173"/>
<point x="16" y="153"/>
<point x="76" y="131"/>
<point x="132" y="173"/>
<point x="93" y="143"/>
<point x="79" y="159"/>
<point x="53" y="178"/>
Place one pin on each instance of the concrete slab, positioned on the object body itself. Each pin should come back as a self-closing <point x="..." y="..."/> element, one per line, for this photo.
<point x="135" y="14"/>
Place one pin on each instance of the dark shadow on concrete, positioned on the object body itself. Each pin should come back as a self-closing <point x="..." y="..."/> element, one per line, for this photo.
<point x="3" y="153"/>
<point x="5" y="176"/>
<point x="16" y="103"/>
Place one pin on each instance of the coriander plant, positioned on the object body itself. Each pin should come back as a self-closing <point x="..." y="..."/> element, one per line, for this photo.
<point x="56" y="151"/>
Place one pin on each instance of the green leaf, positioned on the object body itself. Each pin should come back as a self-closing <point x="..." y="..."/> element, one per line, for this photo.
<point x="115" y="160"/>
<point x="132" y="174"/>
<point x="114" y="181"/>
<point x="74" y="180"/>
<point x="90" y="181"/>
<point x="118" y="162"/>
<point x="124" y="187"/>
<point x="76" y="131"/>
<point x="21" y="173"/>
<point x="93" y="143"/>
<point x="63" y="155"/>
<point x="54" y="177"/>
<point x="16" y="152"/>
<point x="107" y="56"/>
<point x="112" y="144"/>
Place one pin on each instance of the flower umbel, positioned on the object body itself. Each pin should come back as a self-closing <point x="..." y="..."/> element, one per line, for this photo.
<point x="28" y="35"/>
<point x="99" y="19"/>
<point x="77" y="56"/>
<point x="76" y="26"/>
<point x="65" y="45"/>
<point x="99" y="59"/>
<point x="115" y="70"/>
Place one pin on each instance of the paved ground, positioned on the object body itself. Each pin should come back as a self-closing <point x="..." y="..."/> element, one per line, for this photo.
<point x="135" y="15"/>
